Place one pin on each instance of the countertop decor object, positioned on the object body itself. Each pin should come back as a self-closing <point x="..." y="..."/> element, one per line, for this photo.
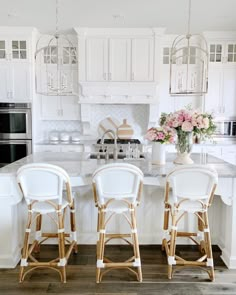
<point x="125" y="131"/>
<point x="186" y="123"/>
<point x="109" y="123"/>
<point x="159" y="137"/>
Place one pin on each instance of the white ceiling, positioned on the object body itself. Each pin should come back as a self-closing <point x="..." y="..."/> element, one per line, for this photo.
<point x="206" y="15"/>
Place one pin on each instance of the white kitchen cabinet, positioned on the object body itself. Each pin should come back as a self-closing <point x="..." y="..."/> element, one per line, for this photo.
<point x="15" y="69"/>
<point x="59" y="108"/>
<point x="108" y="59"/>
<point x="142" y="59"/>
<point x="96" y="59"/>
<point x="47" y="148"/>
<point x="116" y="55"/>
<point x="59" y="148"/>
<point x="222" y="52"/>
<point x="221" y="97"/>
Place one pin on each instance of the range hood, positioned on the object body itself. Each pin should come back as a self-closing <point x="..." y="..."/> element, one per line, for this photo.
<point x="118" y="92"/>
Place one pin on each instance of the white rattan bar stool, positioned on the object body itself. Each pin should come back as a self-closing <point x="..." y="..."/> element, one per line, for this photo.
<point x="42" y="187"/>
<point x="189" y="190"/>
<point x="117" y="191"/>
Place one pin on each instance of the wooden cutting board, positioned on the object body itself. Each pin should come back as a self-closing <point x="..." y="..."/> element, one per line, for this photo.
<point x="108" y="123"/>
<point x="125" y="131"/>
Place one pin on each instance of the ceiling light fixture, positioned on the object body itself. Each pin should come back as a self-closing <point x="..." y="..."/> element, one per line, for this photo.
<point x="56" y="59"/>
<point x="188" y="64"/>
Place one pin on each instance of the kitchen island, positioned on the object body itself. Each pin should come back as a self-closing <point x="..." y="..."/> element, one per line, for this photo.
<point x="149" y="214"/>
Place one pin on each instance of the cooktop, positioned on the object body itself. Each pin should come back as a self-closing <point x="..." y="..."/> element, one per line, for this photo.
<point x="119" y="141"/>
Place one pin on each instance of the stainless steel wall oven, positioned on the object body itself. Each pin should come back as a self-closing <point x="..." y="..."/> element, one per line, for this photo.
<point x="15" y="132"/>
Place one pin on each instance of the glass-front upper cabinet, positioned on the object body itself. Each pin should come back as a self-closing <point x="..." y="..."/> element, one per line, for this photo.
<point x="13" y="50"/>
<point x="222" y="52"/>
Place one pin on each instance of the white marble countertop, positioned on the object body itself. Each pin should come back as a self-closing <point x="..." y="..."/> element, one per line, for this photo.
<point x="79" y="164"/>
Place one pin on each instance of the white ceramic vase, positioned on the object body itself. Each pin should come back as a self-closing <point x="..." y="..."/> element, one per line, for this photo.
<point x="158" y="153"/>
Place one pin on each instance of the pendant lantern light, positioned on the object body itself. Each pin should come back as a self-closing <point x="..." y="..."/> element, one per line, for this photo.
<point x="189" y="64"/>
<point x="55" y="60"/>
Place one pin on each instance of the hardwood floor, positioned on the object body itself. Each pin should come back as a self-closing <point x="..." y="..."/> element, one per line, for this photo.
<point x="81" y="275"/>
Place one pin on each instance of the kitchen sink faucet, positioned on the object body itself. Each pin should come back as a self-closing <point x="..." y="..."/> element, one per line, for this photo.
<point x="115" y="141"/>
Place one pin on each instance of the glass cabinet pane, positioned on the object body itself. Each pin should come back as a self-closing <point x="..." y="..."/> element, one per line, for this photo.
<point x="19" y="49"/>
<point x="2" y="49"/>
<point x="2" y="44"/>
<point x="231" y="53"/>
<point x="215" y="52"/>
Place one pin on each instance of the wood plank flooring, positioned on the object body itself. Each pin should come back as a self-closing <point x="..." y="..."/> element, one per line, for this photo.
<point x="81" y="275"/>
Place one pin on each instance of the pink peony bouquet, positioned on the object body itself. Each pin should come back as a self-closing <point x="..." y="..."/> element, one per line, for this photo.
<point x="187" y="120"/>
<point x="160" y="134"/>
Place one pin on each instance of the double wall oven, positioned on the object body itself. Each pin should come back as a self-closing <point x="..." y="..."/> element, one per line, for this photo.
<point x="15" y="132"/>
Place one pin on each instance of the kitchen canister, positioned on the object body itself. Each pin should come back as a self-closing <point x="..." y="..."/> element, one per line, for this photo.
<point x="125" y="131"/>
<point x="158" y="153"/>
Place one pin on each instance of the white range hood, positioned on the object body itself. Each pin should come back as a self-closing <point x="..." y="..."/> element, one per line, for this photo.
<point x="118" y="94"/>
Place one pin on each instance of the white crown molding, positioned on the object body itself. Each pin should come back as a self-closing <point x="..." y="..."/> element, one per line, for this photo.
<point x="17" y="30"/>
<point x="220" y="35"/>
<point x="83" y="32"/>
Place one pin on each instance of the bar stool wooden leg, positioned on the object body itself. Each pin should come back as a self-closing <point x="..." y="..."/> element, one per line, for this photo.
<point x="165" y="225"/>
<point x="25" y="250"/>
<point x="38" y="233"/>
<point x="201" y="230"/>
<point x="73" y="226"/>
<point x="61" y="243"/>
<point x="208" y="247"/>
<point x="171" y="254"/>
<point x="136" y="243"/>
<point x="100" y="244"/>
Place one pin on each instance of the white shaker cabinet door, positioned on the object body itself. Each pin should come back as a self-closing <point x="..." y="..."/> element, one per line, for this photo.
<point x="4" y="84"/>
<point x="221" y="96"/>
<point x="213" y="99"/>
<point x="59" y="108"/>
<point x="119" y="59"/>
<point x="97" y="59"/>
<point x="229" y="92"/>
<point x="142" y="59"/>
<point x="50" y="108"/>
<point x="69" y="108"/>
<point x="20" y="81"/>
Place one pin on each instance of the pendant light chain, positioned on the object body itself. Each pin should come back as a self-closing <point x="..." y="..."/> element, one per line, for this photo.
<point x="57" y="28"/>
<point x="189" y="16"/>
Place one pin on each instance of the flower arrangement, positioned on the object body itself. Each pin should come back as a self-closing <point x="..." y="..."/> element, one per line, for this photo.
<point x="187" y="120"/>
<point x="160" y="134"/>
